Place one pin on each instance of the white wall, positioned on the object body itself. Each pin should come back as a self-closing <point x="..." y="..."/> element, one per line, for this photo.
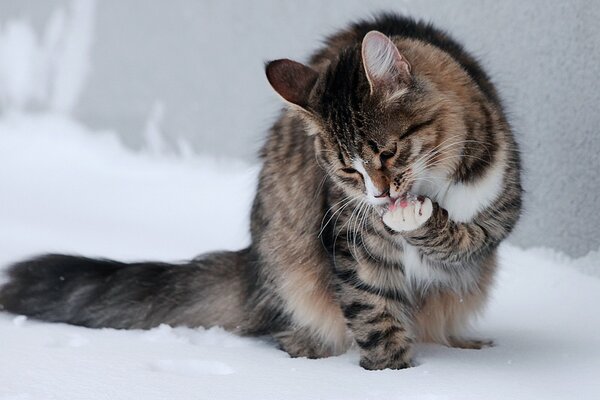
<point x="195" y="68"/>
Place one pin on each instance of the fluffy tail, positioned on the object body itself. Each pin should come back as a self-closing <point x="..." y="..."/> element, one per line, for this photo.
<point x="208" y="291"/>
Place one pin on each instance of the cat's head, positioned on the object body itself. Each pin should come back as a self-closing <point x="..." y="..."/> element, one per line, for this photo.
<point x="381" y="126"/>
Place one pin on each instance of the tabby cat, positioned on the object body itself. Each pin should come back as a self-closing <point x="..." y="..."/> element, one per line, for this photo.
<point x="387" y="184"/>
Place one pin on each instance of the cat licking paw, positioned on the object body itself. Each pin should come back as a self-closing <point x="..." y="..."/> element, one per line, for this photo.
<point x="408" y="213"/>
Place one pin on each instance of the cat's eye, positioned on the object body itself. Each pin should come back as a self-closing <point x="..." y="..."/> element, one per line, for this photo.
<point x="386" y="155"/>
<point x="417" y="127"/>
<point x="349" y="170"/>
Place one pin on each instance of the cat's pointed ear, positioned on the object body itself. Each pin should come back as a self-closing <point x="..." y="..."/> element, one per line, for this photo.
<point x="291" y="80"/>
<point x="385" y="67"/>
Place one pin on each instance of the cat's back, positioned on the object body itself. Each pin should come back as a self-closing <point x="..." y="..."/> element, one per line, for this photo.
<point x="391" y="25"/>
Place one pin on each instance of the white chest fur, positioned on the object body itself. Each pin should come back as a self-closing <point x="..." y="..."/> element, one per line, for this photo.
<point x="417" y="270"/>
<point x="464" y="201"/>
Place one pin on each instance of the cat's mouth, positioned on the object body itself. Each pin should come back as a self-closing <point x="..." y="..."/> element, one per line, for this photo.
<point x="392" y="203"/>
<point x="403" y="200"/>
<point x="396" y="202"/>
<point x="400" y="201"/>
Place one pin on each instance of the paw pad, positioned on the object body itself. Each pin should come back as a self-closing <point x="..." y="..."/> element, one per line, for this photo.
<point x="408" y="213"/>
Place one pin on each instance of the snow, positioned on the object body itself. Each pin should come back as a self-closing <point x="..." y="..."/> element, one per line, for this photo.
<point x="51" y="70"/>
<point x="67" y="189"/>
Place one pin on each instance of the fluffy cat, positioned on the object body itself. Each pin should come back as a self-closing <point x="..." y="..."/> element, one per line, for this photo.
<point x="387" y="184"/>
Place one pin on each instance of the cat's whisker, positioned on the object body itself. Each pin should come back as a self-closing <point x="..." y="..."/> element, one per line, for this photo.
<point x="357" y="226"/>
<point x="337" y="212"/>
<point x="320" y="186"/>
<point x="440" y="161"/>
<point x="335" y="231"/>
<point x="460" y="156"/>
<point x="346" y="200"/>
<point x="460" y="142"/>
<point x="442" y="146"/>
<point x="362" y="229"/>
<point x="352" y="229"/>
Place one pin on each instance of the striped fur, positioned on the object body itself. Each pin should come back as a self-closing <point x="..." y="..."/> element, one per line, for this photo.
<point x="368" y="120"/>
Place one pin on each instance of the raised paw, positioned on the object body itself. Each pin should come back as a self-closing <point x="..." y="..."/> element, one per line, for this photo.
<point x="408" y="213"/>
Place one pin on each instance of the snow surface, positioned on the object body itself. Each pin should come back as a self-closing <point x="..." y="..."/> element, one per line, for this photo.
<point x="65" y="189"/>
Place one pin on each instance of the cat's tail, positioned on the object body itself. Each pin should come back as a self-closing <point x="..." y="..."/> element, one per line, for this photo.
<point x="211" y="290"/>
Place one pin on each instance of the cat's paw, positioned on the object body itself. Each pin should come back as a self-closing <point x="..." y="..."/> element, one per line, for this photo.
<point x="473" y="344"/>
<point x="386" y="363"/>
<point x="408" y="213"/>
<point x="299" y="343"/>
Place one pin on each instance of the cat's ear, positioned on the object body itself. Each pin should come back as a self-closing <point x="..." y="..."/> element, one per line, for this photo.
<point x="291" y="80"/>
<point x="385" y="67"/>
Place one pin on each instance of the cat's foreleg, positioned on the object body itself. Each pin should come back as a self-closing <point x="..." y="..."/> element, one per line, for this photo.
<point x="380" y="322"/>
<point x="426" y="225"/>
<point x="460" y="247"/>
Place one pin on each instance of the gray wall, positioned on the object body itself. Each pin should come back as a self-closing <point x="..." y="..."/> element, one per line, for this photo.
<point x="201" y="62"/>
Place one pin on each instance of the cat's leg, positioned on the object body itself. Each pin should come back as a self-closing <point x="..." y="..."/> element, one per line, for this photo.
<point x="427" y="226"/>
<point x="380" y="322"/>
<point x="301" y="342"/>
<point x="383" y="339"/>
<point x="297" y="280"/>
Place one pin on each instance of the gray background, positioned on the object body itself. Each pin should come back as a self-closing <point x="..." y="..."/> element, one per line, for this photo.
<point x="202" y="63"/>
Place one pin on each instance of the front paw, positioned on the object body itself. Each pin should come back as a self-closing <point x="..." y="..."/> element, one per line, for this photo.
<point x="408" y="213"/>
<point x="401" y="362"/>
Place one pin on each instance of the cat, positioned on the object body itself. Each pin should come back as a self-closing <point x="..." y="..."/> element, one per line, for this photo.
<point x="387" y="184"/>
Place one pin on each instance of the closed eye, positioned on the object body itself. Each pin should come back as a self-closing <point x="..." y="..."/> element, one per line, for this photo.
<point x="349" y="170"/>
<point x="386" y="155"/>
<point x="417" y="127"/>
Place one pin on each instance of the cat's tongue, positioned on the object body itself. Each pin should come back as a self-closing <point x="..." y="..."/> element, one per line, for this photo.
<point x="402" y="201"/>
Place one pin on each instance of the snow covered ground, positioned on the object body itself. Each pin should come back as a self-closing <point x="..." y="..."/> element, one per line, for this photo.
<point x="64" y="189"/>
